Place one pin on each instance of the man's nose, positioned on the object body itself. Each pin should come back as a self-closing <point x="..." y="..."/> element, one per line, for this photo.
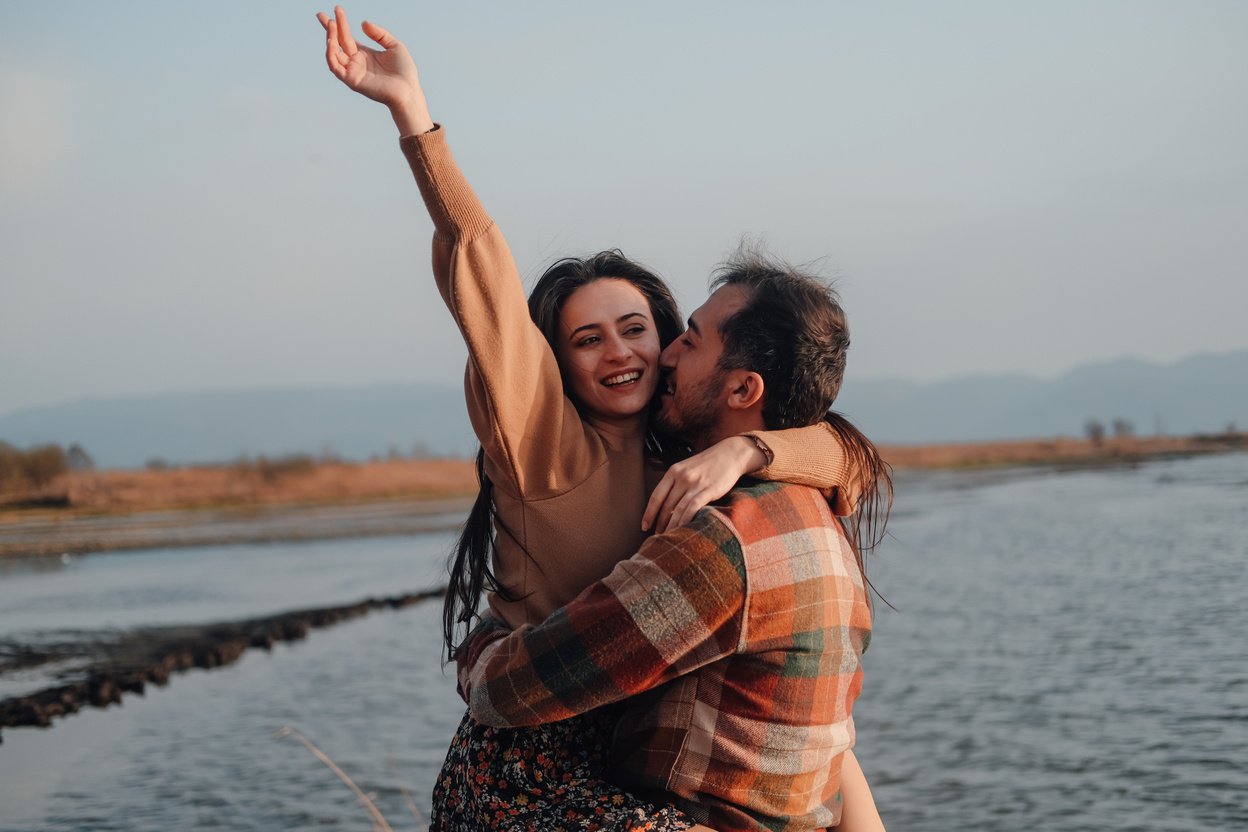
<point x="667" y="358"/>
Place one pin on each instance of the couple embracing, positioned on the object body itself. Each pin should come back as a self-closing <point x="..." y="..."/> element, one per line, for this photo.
<point x="667" y="534"/>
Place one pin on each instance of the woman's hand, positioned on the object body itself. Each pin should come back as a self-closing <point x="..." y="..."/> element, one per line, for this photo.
<point x="689" y="485"/>
<point x="388" y="75"/>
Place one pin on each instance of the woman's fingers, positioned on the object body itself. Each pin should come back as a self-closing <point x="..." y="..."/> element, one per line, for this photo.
<point x="683" y="492"/>
<point x="666" y="497"/>
<point x="345" y="40"/>
<point x="333" y="54"/>
<point x="671" y="492"/>
<point x="383" y="38"/>
<point x="664" y="521"/>
<point x="669" y="522"/>
<point x="654" y="507"/>
<point x="686" y="513"/>
<point x="689" y="505"/>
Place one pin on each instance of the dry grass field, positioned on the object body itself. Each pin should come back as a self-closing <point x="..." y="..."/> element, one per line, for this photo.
<point x="1060" y="451"/>
<point x="302" y="481"/>
<point x="261" y="484"/>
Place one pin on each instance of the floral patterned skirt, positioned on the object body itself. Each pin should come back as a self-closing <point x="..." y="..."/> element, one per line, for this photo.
<point x="543" y="779"/>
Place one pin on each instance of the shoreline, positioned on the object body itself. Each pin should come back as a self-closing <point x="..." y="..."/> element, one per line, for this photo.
<point x="125" y="510"/>
<point x="1059" y="452"/>
<point x="51" y="534"/>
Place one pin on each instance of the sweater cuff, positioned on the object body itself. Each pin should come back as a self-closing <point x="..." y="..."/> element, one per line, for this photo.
<point x="454" y="208"/>
<point x="793" y="461"/>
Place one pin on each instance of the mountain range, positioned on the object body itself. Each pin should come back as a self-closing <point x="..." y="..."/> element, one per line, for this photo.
<point x="1201" y="394"/>
<point x="1204" y="393"/>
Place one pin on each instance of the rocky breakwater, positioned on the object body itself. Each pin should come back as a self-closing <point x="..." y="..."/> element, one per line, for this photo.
<point x="98" y="670"/>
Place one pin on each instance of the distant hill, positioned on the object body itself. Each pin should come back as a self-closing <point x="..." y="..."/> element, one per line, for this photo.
<point x="221" y="426"/>
<point x="1204" y="393"/>
<point x="1200" y="394"/>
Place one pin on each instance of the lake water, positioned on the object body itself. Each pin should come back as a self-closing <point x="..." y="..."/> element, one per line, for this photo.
<point x="1069" y="651"/>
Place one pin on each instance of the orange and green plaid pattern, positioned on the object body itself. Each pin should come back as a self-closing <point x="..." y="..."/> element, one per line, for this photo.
<point x="739" y="636"/>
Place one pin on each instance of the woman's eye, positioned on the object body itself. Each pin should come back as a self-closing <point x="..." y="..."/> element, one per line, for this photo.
<point x="590" y="341"/>
<point x="635" y="330"/>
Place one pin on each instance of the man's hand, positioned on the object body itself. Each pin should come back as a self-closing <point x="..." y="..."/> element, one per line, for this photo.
<point x="488" y="631"/>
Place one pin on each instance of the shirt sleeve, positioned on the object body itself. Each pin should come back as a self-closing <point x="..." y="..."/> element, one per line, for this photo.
<point x="533" y="437"/>
<point x="812" y="456"/>
<point x="675" y="606"/>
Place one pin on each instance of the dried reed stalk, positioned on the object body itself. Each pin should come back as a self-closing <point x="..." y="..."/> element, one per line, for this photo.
<point x="379" y="821"/>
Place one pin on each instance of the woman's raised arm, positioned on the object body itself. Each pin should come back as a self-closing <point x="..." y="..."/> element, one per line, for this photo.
<point x="387" y="76"/>
<point x="533" y="438"/>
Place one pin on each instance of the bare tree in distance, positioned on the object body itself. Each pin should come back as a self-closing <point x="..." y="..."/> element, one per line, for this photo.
<point x="1095" y="431"/>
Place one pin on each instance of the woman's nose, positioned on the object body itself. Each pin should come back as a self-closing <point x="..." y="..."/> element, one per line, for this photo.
<point x="618" y="349"/>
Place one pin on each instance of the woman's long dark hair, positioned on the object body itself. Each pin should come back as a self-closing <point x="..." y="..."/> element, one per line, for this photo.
<point x="874" y="481"/>
<point x="471" y="563"/>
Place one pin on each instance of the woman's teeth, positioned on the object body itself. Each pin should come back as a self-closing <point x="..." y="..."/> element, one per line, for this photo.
<point x="622" y="378"/>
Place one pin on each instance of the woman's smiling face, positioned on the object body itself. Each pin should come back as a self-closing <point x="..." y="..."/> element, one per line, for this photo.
<point x="608" y="349"/>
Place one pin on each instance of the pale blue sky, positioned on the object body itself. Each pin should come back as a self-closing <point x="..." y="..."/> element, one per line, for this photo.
<point x="192" y="202"/>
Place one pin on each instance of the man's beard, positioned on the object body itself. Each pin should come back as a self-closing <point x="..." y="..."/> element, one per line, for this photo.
<point x="691" y="413"/>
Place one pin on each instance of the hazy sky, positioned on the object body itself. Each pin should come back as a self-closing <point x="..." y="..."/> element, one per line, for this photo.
<point x="191" y="201"/>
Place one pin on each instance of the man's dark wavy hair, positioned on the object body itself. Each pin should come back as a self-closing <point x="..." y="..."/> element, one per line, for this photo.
<point x="794" y="333"/>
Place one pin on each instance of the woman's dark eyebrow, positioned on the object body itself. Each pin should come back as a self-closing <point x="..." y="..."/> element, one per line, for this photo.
<point x="618" y="320"/>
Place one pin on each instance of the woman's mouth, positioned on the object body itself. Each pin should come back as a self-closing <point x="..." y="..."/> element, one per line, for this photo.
<point x="622" y="379"/>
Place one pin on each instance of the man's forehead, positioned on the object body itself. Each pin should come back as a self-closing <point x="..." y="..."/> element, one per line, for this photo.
<point x="722" y="303"/>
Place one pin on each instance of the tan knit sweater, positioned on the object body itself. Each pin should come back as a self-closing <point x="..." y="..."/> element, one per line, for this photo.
<point x="567" y="498"/>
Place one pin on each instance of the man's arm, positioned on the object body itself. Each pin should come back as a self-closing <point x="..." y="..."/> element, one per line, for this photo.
<point x="673" y="607"/>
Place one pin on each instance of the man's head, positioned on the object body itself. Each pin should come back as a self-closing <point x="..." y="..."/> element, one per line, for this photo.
<point x="767" y="350"/>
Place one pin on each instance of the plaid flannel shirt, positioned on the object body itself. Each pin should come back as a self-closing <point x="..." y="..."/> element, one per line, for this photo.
<point x="740" y="637"/>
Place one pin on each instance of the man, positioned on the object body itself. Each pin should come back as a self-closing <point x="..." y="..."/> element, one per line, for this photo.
<point x="739" y="636"/>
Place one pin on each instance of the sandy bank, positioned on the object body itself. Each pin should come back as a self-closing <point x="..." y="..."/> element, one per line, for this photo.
<point x="67" y="532"/>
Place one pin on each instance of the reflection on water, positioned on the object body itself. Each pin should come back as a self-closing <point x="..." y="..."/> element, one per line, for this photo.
<point x="1068" y="652"/>
<point x="17" y="567"/>
<point x="177" y="586"/>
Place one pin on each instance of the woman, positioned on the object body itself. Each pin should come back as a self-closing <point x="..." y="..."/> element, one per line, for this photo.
<point x="562" y="411"/>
